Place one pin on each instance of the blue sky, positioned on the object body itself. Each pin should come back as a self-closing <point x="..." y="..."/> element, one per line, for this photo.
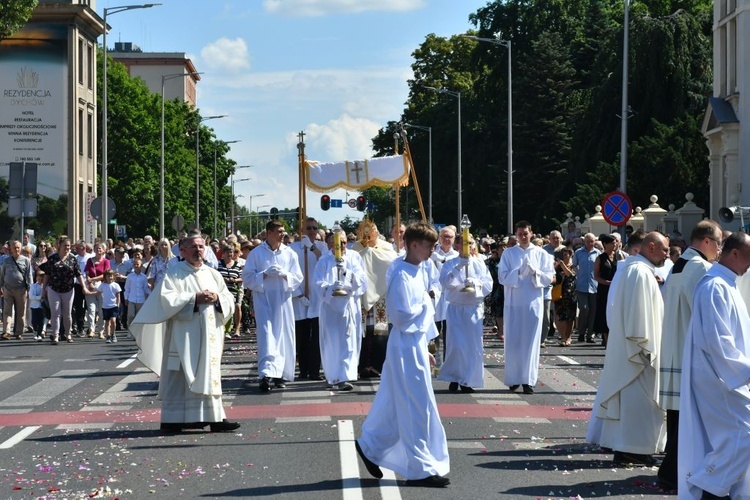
<point x="335" y="69"/>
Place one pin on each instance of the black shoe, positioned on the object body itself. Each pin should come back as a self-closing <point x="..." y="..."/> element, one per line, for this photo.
<point x="430" y="482"/>
<point x="527" y="389"/>
<point x="453" y="386"/>
<point x="710" y="496"/>
<point x="624" y="458"/>
<point x="224" y="426"/>
<point x="279" y="383"/>
<point x="316" y="377"/>
<point x="464" y="388"/>
<point x="513" y="388"/>
<point x="302" y="375"/>
<point x="265" y="384"/>
<point x="169" y="428"/>
<point x="345" y="386"/>
<point x="581" y="339"/>
<point x="590" y="340"/>
<point x="371" y="466"/>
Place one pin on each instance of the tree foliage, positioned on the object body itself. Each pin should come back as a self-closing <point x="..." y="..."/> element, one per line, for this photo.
<point x="134" y="151"/>
<point x="566" y="91"/>
<point x="14" y="14"/>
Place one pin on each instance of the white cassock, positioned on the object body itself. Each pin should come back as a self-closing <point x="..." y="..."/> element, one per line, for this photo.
<point x="464" y="354"/>
<point x="678" y="293"/>
<point x="524" y="273"/>
<point x="340" y="316"/>
<point x="402" y="431"/>
<point x="183" y="345"/>
<point x="626" y="416"/>
<point x="440" y="258"/>
<point x="714" y="444"/>
<point x="310" y="308"/>
<point x="274" y="314"/>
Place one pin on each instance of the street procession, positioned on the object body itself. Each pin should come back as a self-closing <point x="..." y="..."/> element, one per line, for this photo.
<point x="311" y="298"/>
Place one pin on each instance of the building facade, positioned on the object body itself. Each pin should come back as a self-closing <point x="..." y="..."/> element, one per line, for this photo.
<point x="151" y="67"/>
<point x="728" y="141"/>
<point x="48" y="112"/>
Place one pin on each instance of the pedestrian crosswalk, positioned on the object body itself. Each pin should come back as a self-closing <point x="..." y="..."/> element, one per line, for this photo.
<point x="138" y="389"/>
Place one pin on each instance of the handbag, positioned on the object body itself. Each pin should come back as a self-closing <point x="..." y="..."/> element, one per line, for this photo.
<point x="556" y="292"/>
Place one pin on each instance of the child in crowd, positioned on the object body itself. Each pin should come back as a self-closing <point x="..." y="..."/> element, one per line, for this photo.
<point x="403" y="431"/>
<point x="38" y="319"/>
<point x="136" y="289"/>
<point x="110" y="293"/>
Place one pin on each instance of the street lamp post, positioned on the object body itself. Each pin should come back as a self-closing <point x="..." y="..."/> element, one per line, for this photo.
<point x="198" y="167"/>
<point x="250" y="206"/>
<point x="234" y="231"/>
<point x="257" y="218"/>
<point x="429" y="178"/>
<point x="216" y="147"/>
<point x="232" y="181"/>
<point x="456" y="94"/>
<point x="164" y="78"/>
<point x="108" y="11"/>
<point x="625" y="108"/>
<point x="506" y="43"/>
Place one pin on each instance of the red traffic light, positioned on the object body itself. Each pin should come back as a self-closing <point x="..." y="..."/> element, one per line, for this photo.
<point x="361" y="203"/>
<point x="325" y="202"/>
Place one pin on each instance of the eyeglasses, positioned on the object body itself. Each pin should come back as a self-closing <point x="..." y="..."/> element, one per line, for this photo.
<point x="718" y="242"/>
<point x="312" y="227"/>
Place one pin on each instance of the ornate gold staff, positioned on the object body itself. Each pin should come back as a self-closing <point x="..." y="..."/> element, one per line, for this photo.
<point x="338" y="291"/>
<point x="465" y="225"/>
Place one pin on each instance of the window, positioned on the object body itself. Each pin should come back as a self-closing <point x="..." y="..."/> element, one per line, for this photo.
<point x="90" y="66"/>
<point x="90" y="135"/>
<point x="80" y="132"/>
<point x="80" y="61"/>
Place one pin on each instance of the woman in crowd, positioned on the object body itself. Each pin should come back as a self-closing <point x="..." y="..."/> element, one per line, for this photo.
<point x="604" y="270"/>
<point x="40" y="256"/>
<point x="231" y="270"/>
<point x="158" y="265"/>
<point x="61" y="270"/>
<point x="95" y="268"/>
<point x="565" y="308"/>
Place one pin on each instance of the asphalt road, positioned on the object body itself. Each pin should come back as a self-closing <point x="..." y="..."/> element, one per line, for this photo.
<point x="81" y="421"/>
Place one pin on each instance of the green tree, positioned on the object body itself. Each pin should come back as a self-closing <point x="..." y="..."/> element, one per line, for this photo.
<point x="14" y="14"/>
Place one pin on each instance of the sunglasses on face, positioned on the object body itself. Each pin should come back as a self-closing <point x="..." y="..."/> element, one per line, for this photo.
<point x="312" y="227"/>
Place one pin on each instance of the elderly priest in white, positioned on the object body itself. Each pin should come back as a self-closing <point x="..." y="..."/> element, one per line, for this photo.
<point x="180" y="330"/>
<point x="340" y="314"/>
<point x="714" y="439"/>
<point x="626" y="413"/>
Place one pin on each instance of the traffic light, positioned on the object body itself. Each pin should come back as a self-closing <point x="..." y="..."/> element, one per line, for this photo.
<point x="361" y="203"/>
<point x="325" y="202"/>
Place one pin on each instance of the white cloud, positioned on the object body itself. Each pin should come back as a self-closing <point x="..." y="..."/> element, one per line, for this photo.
<point x="225" y="55"/>
<point x="343" y="138"/>
<point x="314" y="8"/>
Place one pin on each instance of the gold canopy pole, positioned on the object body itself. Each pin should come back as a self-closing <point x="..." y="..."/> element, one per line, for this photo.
<point x="407" y="153"/>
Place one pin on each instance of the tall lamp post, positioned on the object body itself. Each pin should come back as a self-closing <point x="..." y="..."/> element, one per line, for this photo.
<point x="625" y="108"/>
<point x="108" y="11"/>
<point x="456" y="94"/>
<point x="506" y="43"/>
<point x="429" y="178"/>
<point x="164" y="78"/>
<point x="198" y="167"/>
<point x="250" y="206"/>
<point x="257" y="218"/>
<point x="215" y="187"/>
<point x="233" y="200"/>
<point x="232" y="181"/>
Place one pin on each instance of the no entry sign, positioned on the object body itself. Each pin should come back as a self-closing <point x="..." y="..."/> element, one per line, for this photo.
<point x="617" y="208"/>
